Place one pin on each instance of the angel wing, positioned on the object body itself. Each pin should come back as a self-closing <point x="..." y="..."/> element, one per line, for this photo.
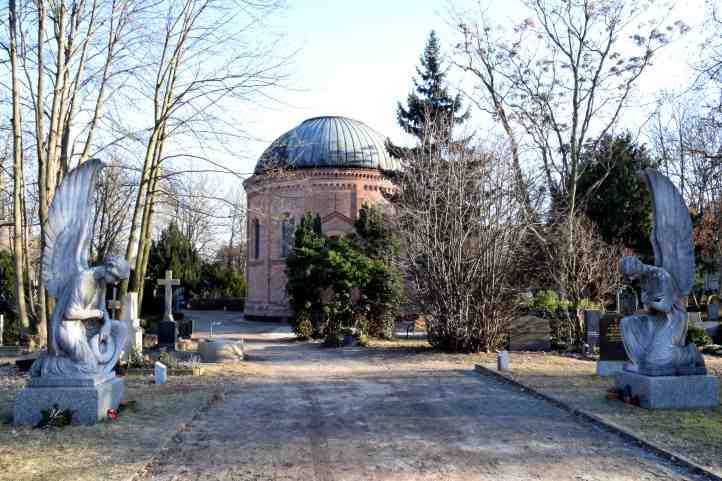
<point x="672" y="233"/>
<point x="67" y="233"/>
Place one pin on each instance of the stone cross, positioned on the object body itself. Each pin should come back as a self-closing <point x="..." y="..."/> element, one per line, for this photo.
<point x="168" y="282"/>
<point x="114" y="304"/>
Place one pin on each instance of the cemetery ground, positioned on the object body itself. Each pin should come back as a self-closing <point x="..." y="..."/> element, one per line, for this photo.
<point x="395" y="411"/>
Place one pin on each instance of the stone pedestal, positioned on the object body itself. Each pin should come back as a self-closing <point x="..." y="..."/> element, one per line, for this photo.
<point x="671" y="392"/>
<point x="134" y="341"/>
<point x="609" y="368"/>
<point x="167" y="334"/>
<point x="220" y="350"/>
<point x="88" y="398"/>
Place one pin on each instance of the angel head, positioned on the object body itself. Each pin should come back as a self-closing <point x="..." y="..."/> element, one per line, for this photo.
<point x="116" y="269"/>
<point x="631" y="267"/>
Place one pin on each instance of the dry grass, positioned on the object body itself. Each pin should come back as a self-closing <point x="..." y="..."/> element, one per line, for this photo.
<point x="108" y="450"/>
<point x="696" y="434"/>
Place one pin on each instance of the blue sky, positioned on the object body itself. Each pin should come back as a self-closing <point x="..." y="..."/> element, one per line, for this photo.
<point x="357" y="59"/>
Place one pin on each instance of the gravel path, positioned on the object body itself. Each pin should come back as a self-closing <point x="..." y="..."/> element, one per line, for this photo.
<point x="306" y="413"/>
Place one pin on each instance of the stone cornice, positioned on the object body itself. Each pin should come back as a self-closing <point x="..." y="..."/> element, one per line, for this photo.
<point x="295" y="179"/>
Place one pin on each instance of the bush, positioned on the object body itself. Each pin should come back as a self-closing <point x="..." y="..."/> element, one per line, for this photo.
<point x="338" y="283"/>
<point x="302" y="326"/>
<point x="697" y="335"/>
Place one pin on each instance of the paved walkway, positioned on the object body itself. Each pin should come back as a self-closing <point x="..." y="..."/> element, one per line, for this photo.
<point x="307" y="413"/>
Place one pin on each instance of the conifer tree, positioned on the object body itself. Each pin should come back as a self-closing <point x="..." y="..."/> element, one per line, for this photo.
<point x="431" y="112"/>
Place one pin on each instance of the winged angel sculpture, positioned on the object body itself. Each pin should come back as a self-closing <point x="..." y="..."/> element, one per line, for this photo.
<point x="656" y="341"/>
<point x="82" y="339"/>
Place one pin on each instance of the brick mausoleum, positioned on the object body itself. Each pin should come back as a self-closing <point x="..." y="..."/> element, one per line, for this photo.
<point x="329" y="166"/>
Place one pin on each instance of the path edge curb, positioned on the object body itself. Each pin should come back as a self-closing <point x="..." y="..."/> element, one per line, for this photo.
<point x="602" y="423"/>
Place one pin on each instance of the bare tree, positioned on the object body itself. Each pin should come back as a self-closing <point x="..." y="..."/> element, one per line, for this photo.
<point x="560" y="80"/>
<point x="592" y="275"/>
<point x="111" y="217"/>
<point x="17" y="170"/>
<point x="203" y="58"/>
<point x="461" y="224"/>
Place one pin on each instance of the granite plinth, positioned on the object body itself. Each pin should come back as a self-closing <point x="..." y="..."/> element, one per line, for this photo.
<point x="89" y="403"/>
<point x="609" y="368"/>
<point x="671" y="392"/>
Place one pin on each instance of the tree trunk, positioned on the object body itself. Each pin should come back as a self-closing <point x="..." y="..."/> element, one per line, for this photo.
<point x="17" y="173"/>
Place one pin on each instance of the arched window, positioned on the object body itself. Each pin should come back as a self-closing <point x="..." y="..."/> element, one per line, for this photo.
<point x="256" y="239"/>
<point x="288" y="228"/>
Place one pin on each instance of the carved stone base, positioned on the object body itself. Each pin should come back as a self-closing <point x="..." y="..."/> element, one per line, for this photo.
<point x="666" y="371"/>
<point x="671" y="392"/>
<point x="609" y="368"/>
<point x="89" y="403"/>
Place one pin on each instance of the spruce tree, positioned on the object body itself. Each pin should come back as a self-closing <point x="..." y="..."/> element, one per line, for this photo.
<point x="431" y="112"/>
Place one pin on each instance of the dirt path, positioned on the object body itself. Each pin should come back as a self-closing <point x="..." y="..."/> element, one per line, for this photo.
<point x="301" y="412"/>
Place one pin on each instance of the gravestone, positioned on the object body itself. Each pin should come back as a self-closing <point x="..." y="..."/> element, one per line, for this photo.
<point x="627" y="302"/>
<point x="160" y="373"/>
<point x="134" y="341"/>
<point x="530" y="333"/>
<point x="502" y="361"/>
<point x="612" y="355"/>
<point x="167" y="328"/>
<point x="591" y="327"/>
<point x="167" y="334"/>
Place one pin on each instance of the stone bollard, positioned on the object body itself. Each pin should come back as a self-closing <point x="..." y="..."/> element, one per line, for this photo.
<point x="160" y="373"/>
<point x="502" y="361"/>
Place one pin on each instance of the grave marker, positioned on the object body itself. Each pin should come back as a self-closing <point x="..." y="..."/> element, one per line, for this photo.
<point x="591" y="326"/>
<point x="160" y="373"/>
<point x="612" y="355"/>
<point x="502" y="361"/>
<point x="168" y="329"/>
<point x="134" y="341"/>
<point x="530" y="333"/>
<point x="114" y="304"/>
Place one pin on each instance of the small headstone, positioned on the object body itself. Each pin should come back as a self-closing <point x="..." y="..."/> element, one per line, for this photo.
<point x="591" y="325"/>
<point x="530" y="333"/>
<point x="612" y="355"/>
<point x="167" y="334"/>
<point x="502" y="361"/>
<point x="160" y="373"/>
<point x="713" y="312"/>
<point x="627" y="302"/>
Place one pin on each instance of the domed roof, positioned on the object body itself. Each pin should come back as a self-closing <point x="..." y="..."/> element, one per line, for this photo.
<point x="328" y="142"/>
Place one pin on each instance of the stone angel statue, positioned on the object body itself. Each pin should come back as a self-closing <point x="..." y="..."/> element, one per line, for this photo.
<point x="656" y="340"/>
<point x="83" y="342"/>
